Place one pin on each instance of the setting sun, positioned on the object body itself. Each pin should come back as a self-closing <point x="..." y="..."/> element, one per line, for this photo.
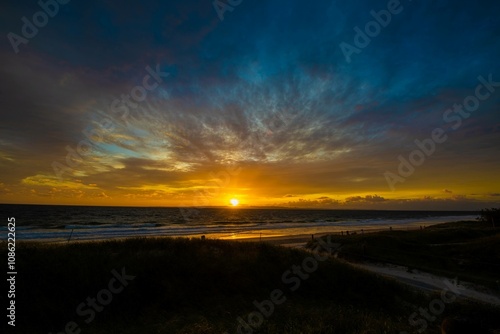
<point x="234" y="202"/>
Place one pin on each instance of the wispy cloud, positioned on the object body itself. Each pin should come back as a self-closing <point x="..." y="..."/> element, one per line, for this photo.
<point x="286" y="108"/>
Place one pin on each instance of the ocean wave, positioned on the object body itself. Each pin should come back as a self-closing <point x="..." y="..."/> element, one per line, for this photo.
<point x="222" y="230"/>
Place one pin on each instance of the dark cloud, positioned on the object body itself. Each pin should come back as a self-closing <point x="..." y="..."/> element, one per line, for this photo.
<point x="425" y="203"/>
<point x="267" y="89"/>
<point x="367" y="198"/>
<point x="324" y="202"/>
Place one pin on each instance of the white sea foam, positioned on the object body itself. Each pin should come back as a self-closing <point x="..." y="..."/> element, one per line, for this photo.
<point x="224" y="231"/>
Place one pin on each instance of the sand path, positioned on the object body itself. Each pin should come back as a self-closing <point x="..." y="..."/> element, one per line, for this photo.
<point x="418" y="279"/>
<point x="429" y="282"/>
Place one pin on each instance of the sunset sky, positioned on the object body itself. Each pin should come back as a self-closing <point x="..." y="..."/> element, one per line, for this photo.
<point x="172" y="103"/>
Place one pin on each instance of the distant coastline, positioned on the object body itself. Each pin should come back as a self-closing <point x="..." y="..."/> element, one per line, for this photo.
<point x="60" y="223"/>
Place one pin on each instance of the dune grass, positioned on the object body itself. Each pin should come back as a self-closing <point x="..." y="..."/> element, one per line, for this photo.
<point x="467" y="250"/>
<point x="195" y="286"/>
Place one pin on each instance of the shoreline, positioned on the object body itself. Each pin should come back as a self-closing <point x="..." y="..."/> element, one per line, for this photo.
<point x="291" y="237"/>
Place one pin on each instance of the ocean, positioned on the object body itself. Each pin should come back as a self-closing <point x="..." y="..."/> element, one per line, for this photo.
<point x="61" y="223"/>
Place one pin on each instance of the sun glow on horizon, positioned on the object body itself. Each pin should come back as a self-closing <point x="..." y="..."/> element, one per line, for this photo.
<point x="234" y="201"/>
